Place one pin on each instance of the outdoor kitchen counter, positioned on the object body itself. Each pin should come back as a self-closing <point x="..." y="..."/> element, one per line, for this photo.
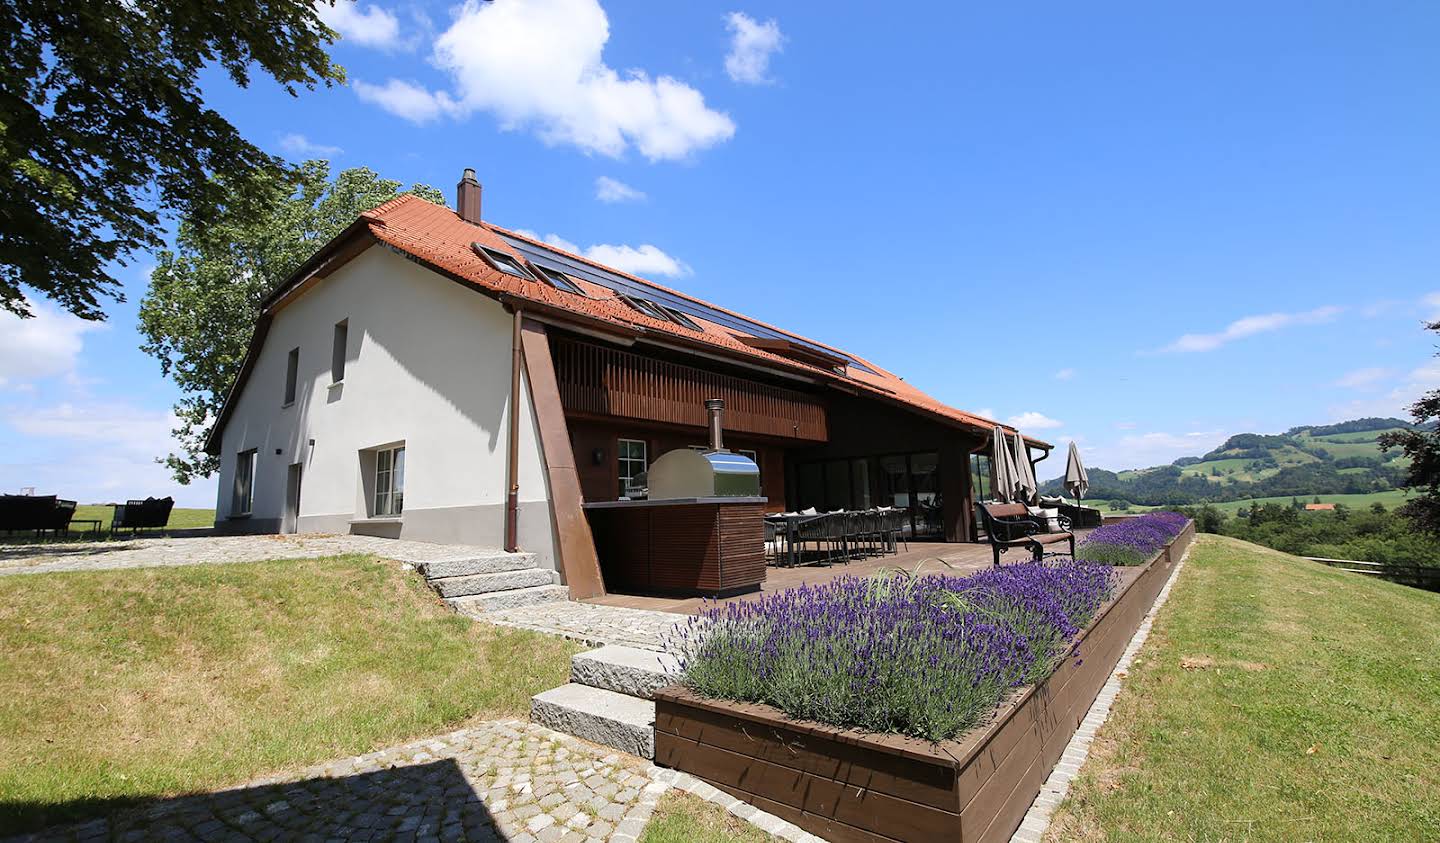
<point x="713" y="546"/>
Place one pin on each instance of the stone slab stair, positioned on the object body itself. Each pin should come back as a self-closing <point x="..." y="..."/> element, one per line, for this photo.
<point x="492" y="581"/>
<point x="610" y="698"/>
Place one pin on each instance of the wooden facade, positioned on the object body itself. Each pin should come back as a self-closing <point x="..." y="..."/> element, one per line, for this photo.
<point x="694" y="548"/>
<point x="599" y="380"/>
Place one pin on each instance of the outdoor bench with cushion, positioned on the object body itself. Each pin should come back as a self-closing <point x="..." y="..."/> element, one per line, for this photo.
<point x="35" y="512"/>
<point x="1010" y="525"/>
<point x="148" y="514"/>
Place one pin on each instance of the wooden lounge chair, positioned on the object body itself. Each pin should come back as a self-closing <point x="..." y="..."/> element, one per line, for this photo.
<point x="1009" y="525"/>
<point x="149" y="514"/>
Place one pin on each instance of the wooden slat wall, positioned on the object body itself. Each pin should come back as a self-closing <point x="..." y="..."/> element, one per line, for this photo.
<point x="610" y="381"/>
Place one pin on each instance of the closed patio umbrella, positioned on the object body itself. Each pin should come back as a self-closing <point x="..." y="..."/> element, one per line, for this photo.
<point x="1002" y="463"/>
<point x="1077" y="481"/>
<point x="1025" y="485"/>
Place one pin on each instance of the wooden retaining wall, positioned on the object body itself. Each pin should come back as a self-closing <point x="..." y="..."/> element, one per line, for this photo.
<point x="847" y="786"/>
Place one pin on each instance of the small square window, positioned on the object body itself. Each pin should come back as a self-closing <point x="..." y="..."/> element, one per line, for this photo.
<point x="502" y="261"/>
<point x="680" y="318"/>
<point x="559" y="280"/>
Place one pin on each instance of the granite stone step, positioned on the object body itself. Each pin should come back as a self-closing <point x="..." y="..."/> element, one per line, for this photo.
<point x="502" y="581"/>
<point x="594" y="714"/>
<point x="468" y="566"/>
<point x="625" y="670"/>
<point x="495" y="601"/>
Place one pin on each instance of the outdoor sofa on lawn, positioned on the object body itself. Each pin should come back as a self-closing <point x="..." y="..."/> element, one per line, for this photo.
<point x="1010" y="525"/>
<point x="151" y="513"/>
<point x="35" y="512"/>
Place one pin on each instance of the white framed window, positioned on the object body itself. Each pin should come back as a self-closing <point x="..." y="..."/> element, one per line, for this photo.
<point x="632" y="462"/>
<point x="390" y="482"/>
<point x="243" y="501"/>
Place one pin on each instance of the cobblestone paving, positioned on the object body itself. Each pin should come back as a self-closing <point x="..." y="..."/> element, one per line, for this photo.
<point x="201" y="550"/>
<point x="501" y="780"/>
<point x="591" y="624"/>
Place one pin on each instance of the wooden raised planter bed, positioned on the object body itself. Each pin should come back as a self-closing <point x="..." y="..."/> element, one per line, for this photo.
<point x="846" y="785"/>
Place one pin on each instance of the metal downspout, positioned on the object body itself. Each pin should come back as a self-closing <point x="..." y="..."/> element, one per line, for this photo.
<point x="512" y="463"/>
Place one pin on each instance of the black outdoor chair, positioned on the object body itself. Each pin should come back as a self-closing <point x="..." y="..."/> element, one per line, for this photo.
<point x="136" y="515"/>
<point x="35" y="512"/>
<point x="1009" y="526"/>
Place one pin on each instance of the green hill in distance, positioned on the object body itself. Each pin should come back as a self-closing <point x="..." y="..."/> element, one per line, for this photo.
<point x="1333" y="459"/>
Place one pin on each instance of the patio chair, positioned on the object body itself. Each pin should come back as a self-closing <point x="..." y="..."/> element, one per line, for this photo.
<point x="136" y="515"/>
<point x="1009" y="526"/>
<point x="35" y="512"/>
<point x="820" y="529"/>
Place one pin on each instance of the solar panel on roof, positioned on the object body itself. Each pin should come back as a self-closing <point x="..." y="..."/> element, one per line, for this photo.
<point x="545" y="258"/>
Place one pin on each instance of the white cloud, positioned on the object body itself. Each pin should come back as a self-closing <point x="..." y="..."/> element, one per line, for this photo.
<point x="539" y="65"/>
<point x="1395" y="402"/>
<point x="1250" y="326"/>
<point x="751" y="45"/>
<point x="613" y="190"/>
<point x="1431" y="302"/>
<point x="1125" y="425"/>
<point x="301" y="146"/>
<point x="1032" y="421"/>
<point x="1143" y="450"/>
<point x="120" y="427"/>
<point x="1064" y="374"/>
<point x="1362" y="378"/>
<point x="46" y="345"/>
<point x="373" y="27"/>
<point x="407" y="99"/>
<point x="644" y="260"/>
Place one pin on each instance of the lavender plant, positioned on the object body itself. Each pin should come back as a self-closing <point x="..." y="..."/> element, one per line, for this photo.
<point x="1131" y="542"/>
<point x="922" y="656"/>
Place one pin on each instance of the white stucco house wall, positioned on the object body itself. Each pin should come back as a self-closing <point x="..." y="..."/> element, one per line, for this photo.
<point x="384" y="355"/>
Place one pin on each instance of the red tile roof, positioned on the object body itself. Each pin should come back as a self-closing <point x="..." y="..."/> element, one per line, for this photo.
<point x="437" y="236"/>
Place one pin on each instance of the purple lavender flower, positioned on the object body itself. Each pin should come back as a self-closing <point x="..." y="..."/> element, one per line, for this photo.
<point x="928" y="656"/>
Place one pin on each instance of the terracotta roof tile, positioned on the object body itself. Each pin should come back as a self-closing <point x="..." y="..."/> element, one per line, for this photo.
<point x="438" y="236"/>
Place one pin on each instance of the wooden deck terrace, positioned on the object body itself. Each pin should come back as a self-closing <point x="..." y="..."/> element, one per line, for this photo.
<point x="955" y="559"/>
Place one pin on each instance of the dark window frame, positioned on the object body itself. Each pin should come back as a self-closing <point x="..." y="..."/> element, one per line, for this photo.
<point x="292" y="376"/>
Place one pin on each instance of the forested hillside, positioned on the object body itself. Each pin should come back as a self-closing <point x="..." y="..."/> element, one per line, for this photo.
<point x="1303" y="461"/>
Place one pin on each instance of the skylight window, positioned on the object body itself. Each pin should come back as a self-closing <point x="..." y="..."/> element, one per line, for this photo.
<point x="647" y="307"/>
<point x="681" y="319"/>
<point x="559" y="280"/>
<point x="502" y="261"/>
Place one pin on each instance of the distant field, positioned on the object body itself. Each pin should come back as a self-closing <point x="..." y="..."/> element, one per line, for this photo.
<point x="180" y="519"/>
<point x="1391" y="499"/>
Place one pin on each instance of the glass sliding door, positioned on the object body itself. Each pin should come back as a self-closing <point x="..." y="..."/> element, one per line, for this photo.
<point x="927" y="511"/>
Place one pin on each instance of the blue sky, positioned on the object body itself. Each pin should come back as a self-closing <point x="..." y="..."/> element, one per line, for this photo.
<point x="1140" y="226"/>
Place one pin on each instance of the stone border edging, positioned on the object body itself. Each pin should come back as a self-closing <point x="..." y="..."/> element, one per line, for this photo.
<point x="1037" y="819"/>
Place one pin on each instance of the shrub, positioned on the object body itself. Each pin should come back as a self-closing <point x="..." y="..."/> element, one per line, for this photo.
<point x="1130" y="542"/>
<point x="927" y="657"/>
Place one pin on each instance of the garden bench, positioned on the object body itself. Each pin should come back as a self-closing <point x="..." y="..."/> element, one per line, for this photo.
<point x="1009" y="525"/>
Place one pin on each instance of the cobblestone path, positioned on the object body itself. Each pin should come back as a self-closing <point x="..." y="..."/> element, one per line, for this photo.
<point x="500" y="780"/>
<point x="48" y="557"/>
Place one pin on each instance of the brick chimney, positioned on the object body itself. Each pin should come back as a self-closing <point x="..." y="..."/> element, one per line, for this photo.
<point x="467" y="197"/>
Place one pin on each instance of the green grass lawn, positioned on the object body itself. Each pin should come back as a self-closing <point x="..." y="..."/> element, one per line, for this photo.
<point x="180" y="519"/>
<point x="1392" y="498"/>
<point x="1276" y="699"/>
<point x="683" y="818"/>
<point x="121" y="685"/>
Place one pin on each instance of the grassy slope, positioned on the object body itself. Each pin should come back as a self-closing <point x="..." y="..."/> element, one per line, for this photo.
<point x="1276" y="699"/>
<point x="180" y="519"/>
<point x="123" y="684"/>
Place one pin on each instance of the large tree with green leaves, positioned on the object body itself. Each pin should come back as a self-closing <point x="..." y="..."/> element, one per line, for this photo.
<point x="103" y="130"/>
<point x="1422" y="445"/>
<point x="205" y="294"/>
